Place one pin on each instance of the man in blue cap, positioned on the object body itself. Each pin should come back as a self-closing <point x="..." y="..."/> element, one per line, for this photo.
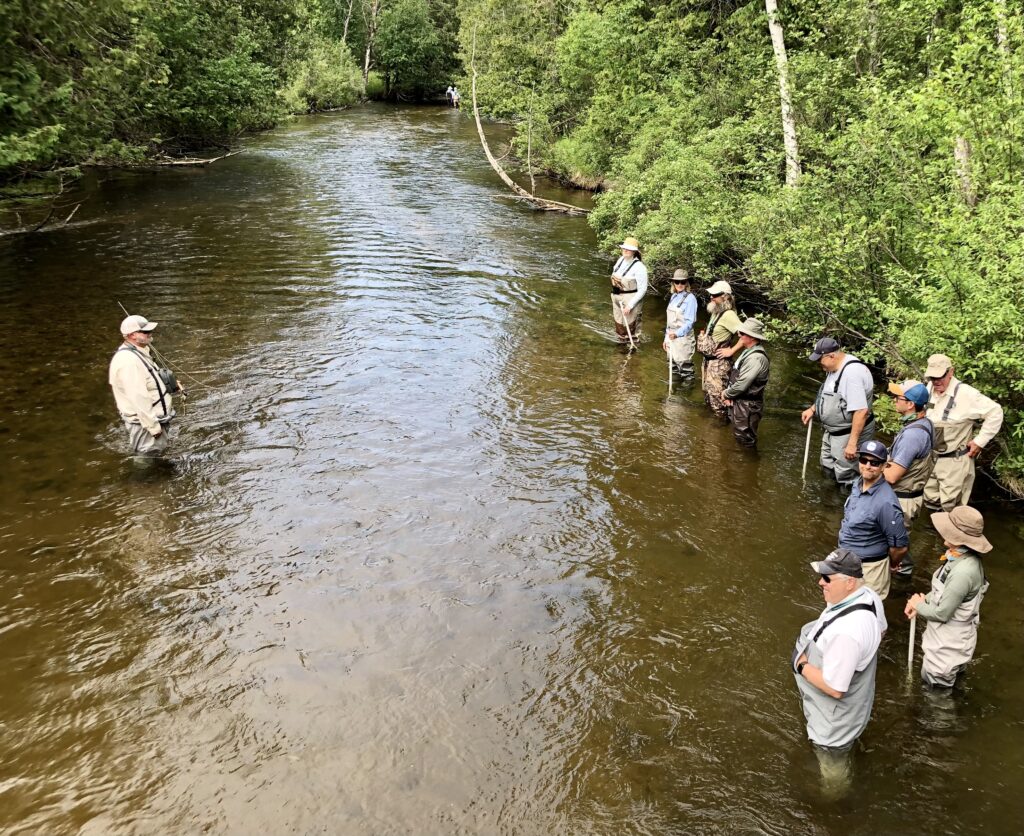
<point x="910" y="460"/>
<point x="872" y="526"/>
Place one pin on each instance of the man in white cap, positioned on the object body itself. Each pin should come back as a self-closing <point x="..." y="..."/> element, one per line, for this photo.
<point x="747" y="381"/>
<point x="143" y="396"/>
<point x="717" y="344"/>
<point x="629" y="285"/>
<point x="965" y="421"/>
<point x="680" y="318"/>
<point x="836" y="655"/>
<point x="952" y="607"/>
<point x="843" y="405"/>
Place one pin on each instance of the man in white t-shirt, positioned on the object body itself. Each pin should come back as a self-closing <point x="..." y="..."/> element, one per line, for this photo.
<point x="835" y="657"/>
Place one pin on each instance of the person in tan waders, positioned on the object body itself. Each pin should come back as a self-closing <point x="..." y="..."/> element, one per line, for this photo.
<point x="629" y="285"/>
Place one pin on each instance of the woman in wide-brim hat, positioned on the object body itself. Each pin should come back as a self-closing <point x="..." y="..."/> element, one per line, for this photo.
<point x="953" y="606"/>
<point x="629" y="285"/>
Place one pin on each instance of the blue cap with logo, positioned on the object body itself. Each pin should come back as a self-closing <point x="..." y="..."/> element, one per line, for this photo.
<point x="875" y="449"/>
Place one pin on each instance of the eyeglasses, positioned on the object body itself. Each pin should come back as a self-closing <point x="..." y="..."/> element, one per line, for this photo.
<point x="716" y="295"/>
<point x="827" y="578"/>
<point x="901" y="398"/>
<point x="680" y="281"/>
<point x="869" y="461"/>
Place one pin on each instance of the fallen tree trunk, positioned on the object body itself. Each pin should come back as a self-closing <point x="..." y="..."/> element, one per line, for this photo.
<point x="519" y="192"/>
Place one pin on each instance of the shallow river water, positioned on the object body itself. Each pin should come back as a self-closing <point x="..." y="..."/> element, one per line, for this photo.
<point x="433" y="556"/>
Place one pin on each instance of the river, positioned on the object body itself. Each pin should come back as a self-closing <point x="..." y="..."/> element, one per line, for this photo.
<point x="432" y="556"/>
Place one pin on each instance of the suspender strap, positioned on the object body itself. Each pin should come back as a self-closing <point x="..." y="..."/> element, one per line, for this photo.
<point x="835" y="384"/>
<point x="855" y="608"/>
<point x="156" y="379"/>
<point x="951" y="403"/>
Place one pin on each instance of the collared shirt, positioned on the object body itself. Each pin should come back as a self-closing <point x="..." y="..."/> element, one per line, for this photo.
<point x="970" y="405"/>
<point x="848" y="644"/>
<point x="136" y="391"/>
<point x="872" y="521"/>
<point x="751" y="366"/>
<point x="963" y="577"/>
<point x="687" y="304"/>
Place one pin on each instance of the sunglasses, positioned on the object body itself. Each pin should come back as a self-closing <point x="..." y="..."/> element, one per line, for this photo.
<point x="870" y="461"/>
<point x="827" y="578"/>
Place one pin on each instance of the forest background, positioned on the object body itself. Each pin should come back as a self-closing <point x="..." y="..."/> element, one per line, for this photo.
<point x="858" y="163"/>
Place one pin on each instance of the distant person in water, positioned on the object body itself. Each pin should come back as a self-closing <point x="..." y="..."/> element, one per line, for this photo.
<point x="142" y="389"/>
<point x="680" y="318"/>
<point x="456" y="98"/>
<point x="629" y="285"/>
<point x="448" y="95"/>
<point x="718" y="343"/>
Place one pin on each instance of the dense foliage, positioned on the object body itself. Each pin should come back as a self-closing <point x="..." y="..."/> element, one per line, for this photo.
<point x="903" y="235"/>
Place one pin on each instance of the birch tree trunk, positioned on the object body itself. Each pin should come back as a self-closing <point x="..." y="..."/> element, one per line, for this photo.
<point x="370" y="12"/>
<point x="348" y="19"/>
<point x="788" y="124"/>
<point x="962" y="156"/>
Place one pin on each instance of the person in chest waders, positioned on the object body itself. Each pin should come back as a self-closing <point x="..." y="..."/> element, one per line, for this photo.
<point x="680" y="318"/>
<point x="747" y="381"/>
<point x="142" y="390"/>
<point x="965" y="421"/>
<point x="717" y="344"/>
<point x="834" y="663"/>
<point x="953" y="606"/>
<point x="629" y="285"/>
<point x="910" y="459"/>
<point x="843" y="405"/>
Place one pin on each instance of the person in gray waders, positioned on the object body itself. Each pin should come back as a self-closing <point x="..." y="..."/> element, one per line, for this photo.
<point x="680" y="318"/>
<point x="834" y="663"/>
<point x="143" y="390"/>
<point x="952" y="607"/>
<point x="747" y="381"/>
<point x="629" y="286"/>
<point x="843" y="405"/>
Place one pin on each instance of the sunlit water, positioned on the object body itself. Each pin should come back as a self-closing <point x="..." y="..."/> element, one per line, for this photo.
<point x="433" y="556"/>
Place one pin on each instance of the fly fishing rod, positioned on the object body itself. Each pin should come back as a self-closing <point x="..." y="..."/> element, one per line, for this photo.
<point x="172" y="385"/>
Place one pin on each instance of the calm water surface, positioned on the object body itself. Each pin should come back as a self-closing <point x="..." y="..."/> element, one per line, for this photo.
<point x="433" y="557"/>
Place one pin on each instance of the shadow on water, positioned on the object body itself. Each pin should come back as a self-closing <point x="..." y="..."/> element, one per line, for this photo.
<point x="431" y="555"/>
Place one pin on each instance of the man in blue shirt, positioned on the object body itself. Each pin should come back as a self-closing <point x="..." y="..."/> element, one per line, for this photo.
<point x="873" y="526"/>
<point x="679" y="321"/>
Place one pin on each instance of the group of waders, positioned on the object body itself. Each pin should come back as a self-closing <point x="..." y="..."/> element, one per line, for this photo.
<point x="945" y="423"/>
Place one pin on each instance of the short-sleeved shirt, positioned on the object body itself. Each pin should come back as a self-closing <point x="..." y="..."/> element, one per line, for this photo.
<point x="849" y="644"/>
<point x="726" y="327"/>
<point x="911" y="444"/>
<point x="856" y="386"/>
<point x="872" y="521"/>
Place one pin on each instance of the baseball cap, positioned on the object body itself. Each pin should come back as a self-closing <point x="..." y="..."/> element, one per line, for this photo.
<point x="826" y="345"/>
<point x="874" y="448"/>
<point x="719" y="287"/>
<point x="839" y="562"/>
<point x="938" y="365"/>
<point x="913" y="390"/>
<point x="131" y="324"/>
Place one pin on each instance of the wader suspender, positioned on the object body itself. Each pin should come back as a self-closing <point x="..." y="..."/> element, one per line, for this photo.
<point x="855" y="608"/>
<point x="835" y="389"/>
<point x="159" y="389"/>
<point x="951" y="403"/>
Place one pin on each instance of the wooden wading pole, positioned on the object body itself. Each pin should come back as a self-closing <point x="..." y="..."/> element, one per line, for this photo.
<point x="807" y="448"/>
<point x="629" y="331"/>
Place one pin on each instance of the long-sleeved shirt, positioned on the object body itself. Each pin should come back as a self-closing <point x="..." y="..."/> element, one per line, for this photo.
<point x="970" y="405"/>
<point x="872" y="521"/>
<point x="638" y="272"/>
<point x="750" y="366"/>
<point x="687" y="303"/>
<point x="137" y="391"/>
<point x="964" y="578"/>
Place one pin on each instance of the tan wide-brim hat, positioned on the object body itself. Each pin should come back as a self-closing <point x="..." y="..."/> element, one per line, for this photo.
<point x="752" y="328"/>
<point x="681" y="275"/>
<point x="963" y="526"/>
<point x="630" y="244"/>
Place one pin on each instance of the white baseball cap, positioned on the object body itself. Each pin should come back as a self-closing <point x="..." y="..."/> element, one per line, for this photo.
<point x="131" y="324"/>
<point x="719" y="287"/>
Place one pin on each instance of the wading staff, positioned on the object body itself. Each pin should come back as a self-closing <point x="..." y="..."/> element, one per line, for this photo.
<point x="910" y="647"/>
<point x="807" y="448"/>
<point x="668" y="353"/>
<point x="629" y="331"/>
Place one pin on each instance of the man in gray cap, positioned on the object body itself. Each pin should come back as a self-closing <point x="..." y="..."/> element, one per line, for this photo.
<point x="872" y="526"/>
<point x="680" y="318"/>
<point x="836" y="655"/>
<point x="965" y="421"/>
<point x="952" y="607"/>
<point x="141" y="389"/>
<point x="747" y="381"/>
<point x="843" y="405"/>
